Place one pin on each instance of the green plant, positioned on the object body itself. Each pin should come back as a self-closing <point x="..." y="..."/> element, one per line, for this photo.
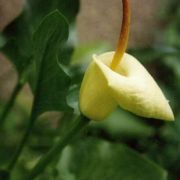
<point x="120" y="147"/>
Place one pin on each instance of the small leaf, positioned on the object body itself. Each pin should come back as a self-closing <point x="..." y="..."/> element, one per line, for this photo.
<point x="73" y="98"/>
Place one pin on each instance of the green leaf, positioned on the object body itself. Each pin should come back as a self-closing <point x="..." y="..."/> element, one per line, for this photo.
<point x="51" y="81"/>
<point x="69" y="8"/>
<point x="94" y="159"/>
<point x="18" y="35"/>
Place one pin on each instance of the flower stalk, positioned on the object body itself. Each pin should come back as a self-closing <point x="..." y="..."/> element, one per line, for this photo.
<point x="124" y="35"/>
<point x="78" y="125"/>
<point x="10" y="103"/>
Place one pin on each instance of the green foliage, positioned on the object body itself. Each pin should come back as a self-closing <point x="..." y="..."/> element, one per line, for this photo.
<point x="18" y="35"/>
<point x="123" y="125"/>
<point x="40" y="8"/>
<point x="51" y="81"/>
<point x="94" y="159"/>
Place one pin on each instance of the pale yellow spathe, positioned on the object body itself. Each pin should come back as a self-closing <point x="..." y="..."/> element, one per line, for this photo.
<point x="131" y="87"/>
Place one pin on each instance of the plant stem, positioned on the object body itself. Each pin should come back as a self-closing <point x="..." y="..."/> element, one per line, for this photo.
<point x="27" y="132"/>
<point x="10" y="103"/>
<point x="58" y="147"/>
<point x="23" y="141"/>
<point x="124" y="35"/>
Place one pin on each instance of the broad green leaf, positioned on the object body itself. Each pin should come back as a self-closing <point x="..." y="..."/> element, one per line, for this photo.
<point x="18" y="35"/>
<point x="40" y="8"/>
<point x="65" y="54"/>
<point x="123" y="124"/>
<point x="93" y="159"/>
<point x="51" y="81"/>
<point x="69" y="8"/>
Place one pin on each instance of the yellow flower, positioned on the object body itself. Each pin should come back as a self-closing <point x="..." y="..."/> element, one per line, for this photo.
<point x="117" y="78"/>
<point x="130" y="86"/>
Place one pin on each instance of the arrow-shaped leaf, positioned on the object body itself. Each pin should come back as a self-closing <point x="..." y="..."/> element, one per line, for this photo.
<point x="51" y="81"/>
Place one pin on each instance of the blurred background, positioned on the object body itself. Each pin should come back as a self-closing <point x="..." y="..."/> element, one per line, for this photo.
<point x="99" y="23"/>
<point x="102" y="21"/>
<point x="154" y="40"/>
